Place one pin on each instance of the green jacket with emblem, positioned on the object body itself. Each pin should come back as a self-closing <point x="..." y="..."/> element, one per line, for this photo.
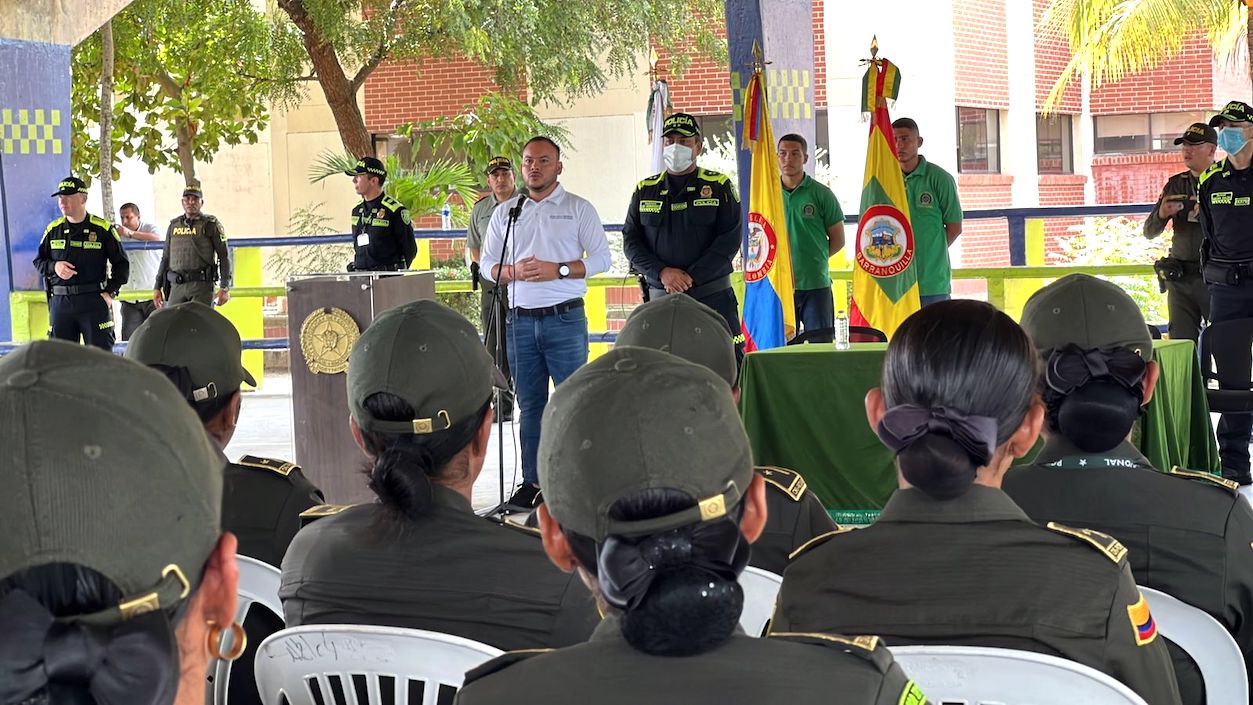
<point x="382" y="235"/>
<point x="691" y="224"/>
<point x="794" y="668"/>
<point x="92" y="246"/>
<point x="976" y="571"/>
<point x="1187" y="533"/>
<point x="192" y="245"/>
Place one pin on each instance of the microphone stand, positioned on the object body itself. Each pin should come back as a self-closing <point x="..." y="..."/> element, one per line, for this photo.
<point x="498" y="330"/>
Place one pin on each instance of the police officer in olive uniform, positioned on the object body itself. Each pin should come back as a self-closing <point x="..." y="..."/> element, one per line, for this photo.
<point x="1188" y="533"/>
<point x="382" y="230"/>
<point x="500" y="179"/>
<point x="83" y="265"/>
<point x="194" y="257"/>
<point x="682" y="228"/>
<point x="1226" y="212"/>
<point x="686" y="328"/>
<point x="665" y="574"/>
<point x="1180" y="271"/>
<point x="199" y="350"/>
<point x="420" y="557"/>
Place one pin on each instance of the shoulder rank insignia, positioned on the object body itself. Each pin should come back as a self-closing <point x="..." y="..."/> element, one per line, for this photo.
<point x="1231" y="485"/>
<point x="324" y="510"/>
<point x="870" y="648"/>
<point x="789" y="481"/>
<point x="817" y="541"/>
<point x="1211" y="170"/>
<point x="1104" y="543"/>
<point x="281" y="467"/>
<point x="502" y="662"/>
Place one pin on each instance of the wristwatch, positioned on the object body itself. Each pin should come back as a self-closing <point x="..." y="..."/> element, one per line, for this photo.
<point x="563" y="270"/>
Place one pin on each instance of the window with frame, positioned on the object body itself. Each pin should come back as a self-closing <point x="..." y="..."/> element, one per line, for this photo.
<point x="978" y="141"/>
<point x="1142" y="132"/>
<point x="1054" y="153"/>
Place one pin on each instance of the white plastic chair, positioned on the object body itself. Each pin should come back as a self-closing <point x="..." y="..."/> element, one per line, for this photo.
<point x="978" y="675"/>
<point x="258" y="584"/>
<point x="1247" y="491"/>
<point x="341" y="664"/>
<point x="761" y="589"/>
<point x="1209" y="644"/>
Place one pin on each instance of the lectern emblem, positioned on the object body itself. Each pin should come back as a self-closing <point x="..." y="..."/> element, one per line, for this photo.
<point x="326" y="338"/>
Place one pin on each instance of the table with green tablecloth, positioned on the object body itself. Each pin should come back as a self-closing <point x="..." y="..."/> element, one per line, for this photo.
<point x="804" y="409"/>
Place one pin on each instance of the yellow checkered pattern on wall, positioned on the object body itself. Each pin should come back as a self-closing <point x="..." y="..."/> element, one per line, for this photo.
<point x="30" y="131"/>
<point x="786" y="91"/>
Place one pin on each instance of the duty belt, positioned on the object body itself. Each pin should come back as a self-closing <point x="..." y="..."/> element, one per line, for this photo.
<point x="75" y="289"/>
<point x="563" y="307"/>
<point x="190" y="275"/>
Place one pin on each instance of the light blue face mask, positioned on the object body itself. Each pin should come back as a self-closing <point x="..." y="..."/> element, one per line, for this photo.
<point x="1231" y="139"/>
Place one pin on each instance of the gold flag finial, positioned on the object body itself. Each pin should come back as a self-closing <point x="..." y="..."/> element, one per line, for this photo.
<point x="758" y="58"/>
<point x="874" y="47"/>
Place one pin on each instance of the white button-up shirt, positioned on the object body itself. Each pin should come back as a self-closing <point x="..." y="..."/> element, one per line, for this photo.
<point x="561" y="228"/>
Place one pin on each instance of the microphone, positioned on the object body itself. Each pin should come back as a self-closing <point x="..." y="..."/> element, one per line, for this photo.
<point x="517" y="208"/>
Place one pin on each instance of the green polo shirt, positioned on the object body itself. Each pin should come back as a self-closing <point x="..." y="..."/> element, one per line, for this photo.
<point x="932" y="204"/>
<point x="811" y="208"/>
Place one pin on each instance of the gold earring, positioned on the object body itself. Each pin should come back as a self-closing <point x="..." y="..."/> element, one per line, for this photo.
<point x="239" y="641"/>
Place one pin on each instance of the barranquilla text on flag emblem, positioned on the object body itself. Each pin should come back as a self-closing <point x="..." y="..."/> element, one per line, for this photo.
<point x="885" y="281"/>
<point x="769" y="289"/>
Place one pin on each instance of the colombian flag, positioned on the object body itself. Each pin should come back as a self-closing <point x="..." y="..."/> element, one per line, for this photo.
<point x="1142" y="621"/>
<point x="885" y="283"/>
<point x="769" y="308"/>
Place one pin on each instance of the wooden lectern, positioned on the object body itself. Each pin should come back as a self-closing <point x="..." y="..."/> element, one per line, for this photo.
<point x="325" y="315"/>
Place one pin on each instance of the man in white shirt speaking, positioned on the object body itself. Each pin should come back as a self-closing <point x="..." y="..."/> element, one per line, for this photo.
<point x="555" y="242"/>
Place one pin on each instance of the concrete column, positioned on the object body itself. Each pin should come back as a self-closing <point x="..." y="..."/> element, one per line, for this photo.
<point x="1018" y="139"/>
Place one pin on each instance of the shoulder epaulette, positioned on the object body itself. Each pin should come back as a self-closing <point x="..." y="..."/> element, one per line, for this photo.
<point x="482" y="198"/>
<point x="54" y="224"/>
<point x="652" y="180"/>
<point x="1231" y="485"/>
<point x="817" y="541"/>
<point x="529" y="531"/>
<point x="281" y="467"/>
<point x="710" y="175"/>
<point x="210" y="218"/>
<point x="789" y="481"/>
<point x="1212" y="169"/>
<point x="502" y="662"/>
<point x="97" y="220"/>
<point x="319" y="511"/>
<point x="391" y="204"/>
<point x="869" y="648"/>
<point x="1104" y="543"/>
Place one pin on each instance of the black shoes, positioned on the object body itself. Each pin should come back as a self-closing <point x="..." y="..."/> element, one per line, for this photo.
<point x="523" y="499"/>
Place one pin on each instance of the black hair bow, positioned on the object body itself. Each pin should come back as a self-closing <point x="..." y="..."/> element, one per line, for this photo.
<point x="905" y="423"/>
<point x="627" y="567"/>
<point x="1070" y="367"/>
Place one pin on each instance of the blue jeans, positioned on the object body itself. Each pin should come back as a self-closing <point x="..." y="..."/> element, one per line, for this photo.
<point x="815" y="310"/>
<point x="542" y="348"/>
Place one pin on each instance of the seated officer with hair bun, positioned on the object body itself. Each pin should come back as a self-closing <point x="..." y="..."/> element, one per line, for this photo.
<point x="684" y="327"/>
<point x="1188" y="533"/>
<point x="117" y="583"/>
<point x="952" y="559"/>
<point x="419" y="393"/>
<point x="657" y="515"/>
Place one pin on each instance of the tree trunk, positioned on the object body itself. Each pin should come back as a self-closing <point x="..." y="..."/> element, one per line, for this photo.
<point x="341" y="92"/>
<point x="187" y="164"/>
<point x="106" y="119"/>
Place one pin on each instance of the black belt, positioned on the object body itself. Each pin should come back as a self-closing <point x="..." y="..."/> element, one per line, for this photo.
<point x="560" y="308"/>
<point x="190" y="275"/>
<point x="76" y="289"/>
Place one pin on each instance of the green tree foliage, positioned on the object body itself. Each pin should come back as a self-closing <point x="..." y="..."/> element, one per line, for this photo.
<point x="551" y="47"/>
<point x="189" y="77"/>
<point x="496" y="124"/>
<point x="1111" y="39"/>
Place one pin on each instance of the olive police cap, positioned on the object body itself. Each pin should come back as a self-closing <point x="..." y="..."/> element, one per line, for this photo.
<point x="682" y="124"/>
<point x="683" y="326"/>
<point x="636" y="419"/>
<point x="1198" y="133"/>
<point x="105" y="466"/>
<point x="498" y="163"/>
<point x="430" y="356"/>
<point x="1089" y="312"/>
<point x="194" y="336"/>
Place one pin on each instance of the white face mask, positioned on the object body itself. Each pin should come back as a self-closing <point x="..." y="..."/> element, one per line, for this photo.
<point x="678" y="157"/>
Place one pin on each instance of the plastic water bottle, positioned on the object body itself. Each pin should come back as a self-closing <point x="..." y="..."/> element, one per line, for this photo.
<point x="841" y="330"/>
<point x="446" y="216"/>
